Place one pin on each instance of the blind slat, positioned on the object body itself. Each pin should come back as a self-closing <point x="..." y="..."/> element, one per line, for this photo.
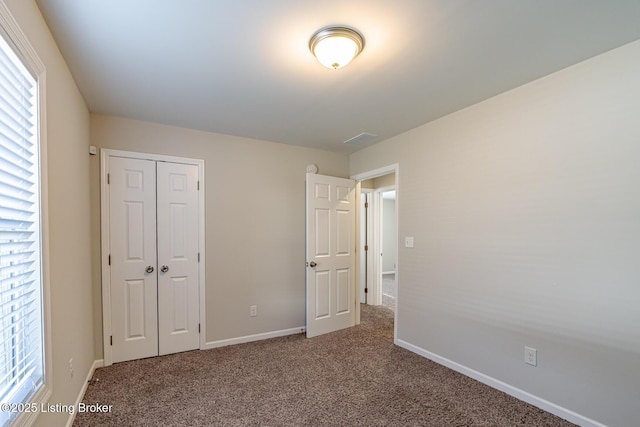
<point x="16" y="257"/>
<point x="21" y="315"/>
<point x="14" y="159"/>
<point x="16" y="303"/>
<point x="14" y="69"/>
<point x="17" y="189"/>
<point x="19" y="141"/>
<point x="9" y="247"/>
<point x="14" y="117"/>
<point x="13" y="271"/>
<point x="12" y="236"/>
<point x="10" y="293"/>
<point x="24" y="170"/>
<point x="19" y="213"/>
<point x="16" y="178"/>
<point x="15" y="345"/>
<point x="10" y="224"/>
<point x="19" y="372"/>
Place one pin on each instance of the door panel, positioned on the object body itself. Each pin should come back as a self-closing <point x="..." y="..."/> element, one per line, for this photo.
<point x="178" y="293"/>
<point x="330" y="247"/>
<point x="132" y="236"/>
<point x="134" y="310"/>
<point x="343" y="291"/>
<point x="179" y="287"/>
<point x="323" y="231"/>
<point x="323" y="294"/>
<point x="343" y="232"/>
<point x="135" y="212"/>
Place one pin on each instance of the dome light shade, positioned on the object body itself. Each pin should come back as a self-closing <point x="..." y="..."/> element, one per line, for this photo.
<point x="335" y="47"/>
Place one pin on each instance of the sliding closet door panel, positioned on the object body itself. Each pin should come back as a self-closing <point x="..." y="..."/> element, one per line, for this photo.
<point x="132" y="236"/>
<point x="178" y="303"/>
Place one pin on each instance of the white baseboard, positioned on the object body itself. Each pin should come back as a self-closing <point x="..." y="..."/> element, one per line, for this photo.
<point x="499" y="385"/>
<point x="257" y="337"/>
<point x="96" y="364"/>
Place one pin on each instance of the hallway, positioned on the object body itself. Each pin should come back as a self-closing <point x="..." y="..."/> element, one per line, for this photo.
<point x="389" y="291"/>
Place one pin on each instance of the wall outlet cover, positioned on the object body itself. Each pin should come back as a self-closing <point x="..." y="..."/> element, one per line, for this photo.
<point x="531" y="356"/>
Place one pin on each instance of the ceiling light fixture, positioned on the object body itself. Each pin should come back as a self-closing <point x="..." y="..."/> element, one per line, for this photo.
<point x="335" y="47"/>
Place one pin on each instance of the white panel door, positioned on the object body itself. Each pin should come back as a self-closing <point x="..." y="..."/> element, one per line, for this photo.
<point x="330" y="254"/>
<point x="132" y="236"/>
<point x="178" y="302"/>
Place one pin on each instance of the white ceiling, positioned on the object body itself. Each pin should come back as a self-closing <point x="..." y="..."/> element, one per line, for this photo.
<point x="243" y="67"/>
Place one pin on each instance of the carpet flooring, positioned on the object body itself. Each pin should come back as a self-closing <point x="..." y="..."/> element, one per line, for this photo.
<point x="353" y="377"/>
<point x="389" y="291"/>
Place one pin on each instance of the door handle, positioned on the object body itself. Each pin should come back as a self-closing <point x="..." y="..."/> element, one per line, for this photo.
<point x="149" y="269"/>
<point x="312" y="264"/>
<point x="164" y="268"/>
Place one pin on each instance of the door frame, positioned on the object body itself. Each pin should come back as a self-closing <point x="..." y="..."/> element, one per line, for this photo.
<point x="105" y="154"/>
<point x="378" y="243"/>
<point x="385" y="170"/>
<point x="365" y="230"/>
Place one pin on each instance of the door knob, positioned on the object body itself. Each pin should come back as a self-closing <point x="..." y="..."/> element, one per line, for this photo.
<point x="164" y="268"/>
<point x="312" y="264"/>
<point x="149" y="269"/>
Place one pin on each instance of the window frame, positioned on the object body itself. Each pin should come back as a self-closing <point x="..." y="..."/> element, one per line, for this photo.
<point x="17" y="40"/>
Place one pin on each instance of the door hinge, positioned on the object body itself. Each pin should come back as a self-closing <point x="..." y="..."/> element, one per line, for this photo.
<point x="109" y="259"/>
<point x="198" y="327"/>
<point x="111" y="339"/>
<point x="198" y="186"/>
<point x="366" y="290"/>
<point x="108" y="178"/>
<point x="366" y="247"/>
<point x="366" y="205"/>
<point x="198" y="256"/>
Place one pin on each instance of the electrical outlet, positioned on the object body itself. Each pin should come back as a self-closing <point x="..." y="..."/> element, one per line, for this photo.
<point x="71" y="368"/>
<point x="531" y="356"/>
<point x="253" y="310"/>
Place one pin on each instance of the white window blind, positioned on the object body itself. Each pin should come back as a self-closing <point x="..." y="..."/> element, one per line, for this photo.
<point x="21" y="337"/>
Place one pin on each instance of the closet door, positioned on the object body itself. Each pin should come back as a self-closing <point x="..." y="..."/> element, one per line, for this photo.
<point x="178" y="302"/>
<point x="132" y="236"/>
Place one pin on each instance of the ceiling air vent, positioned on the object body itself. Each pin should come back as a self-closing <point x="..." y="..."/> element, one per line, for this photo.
<point x="359" y="139"/>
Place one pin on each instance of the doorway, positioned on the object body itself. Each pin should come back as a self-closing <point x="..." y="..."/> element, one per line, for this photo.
<point x="378" y="237"/>
<point x="378" y="264"/>
<point x="388" y="232"/>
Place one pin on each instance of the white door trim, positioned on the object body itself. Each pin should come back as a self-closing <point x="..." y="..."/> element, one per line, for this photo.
<point x="385" y="170"/>
<point x="364" y="217"/>
<point x="105" y="154"/>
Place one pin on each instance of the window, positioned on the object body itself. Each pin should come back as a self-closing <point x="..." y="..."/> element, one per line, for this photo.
<point x="22" y="338"/>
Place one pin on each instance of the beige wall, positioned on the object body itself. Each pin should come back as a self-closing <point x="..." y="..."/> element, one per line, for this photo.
<point x="384" y="181"/>
<point x="526" y="215"/>
<point x="69" y="216"/>
<point x="255" y="220"/>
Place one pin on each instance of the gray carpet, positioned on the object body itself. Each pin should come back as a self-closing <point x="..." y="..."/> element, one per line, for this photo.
<point x="389" y="291"/>
<point x="353" y="377"/>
